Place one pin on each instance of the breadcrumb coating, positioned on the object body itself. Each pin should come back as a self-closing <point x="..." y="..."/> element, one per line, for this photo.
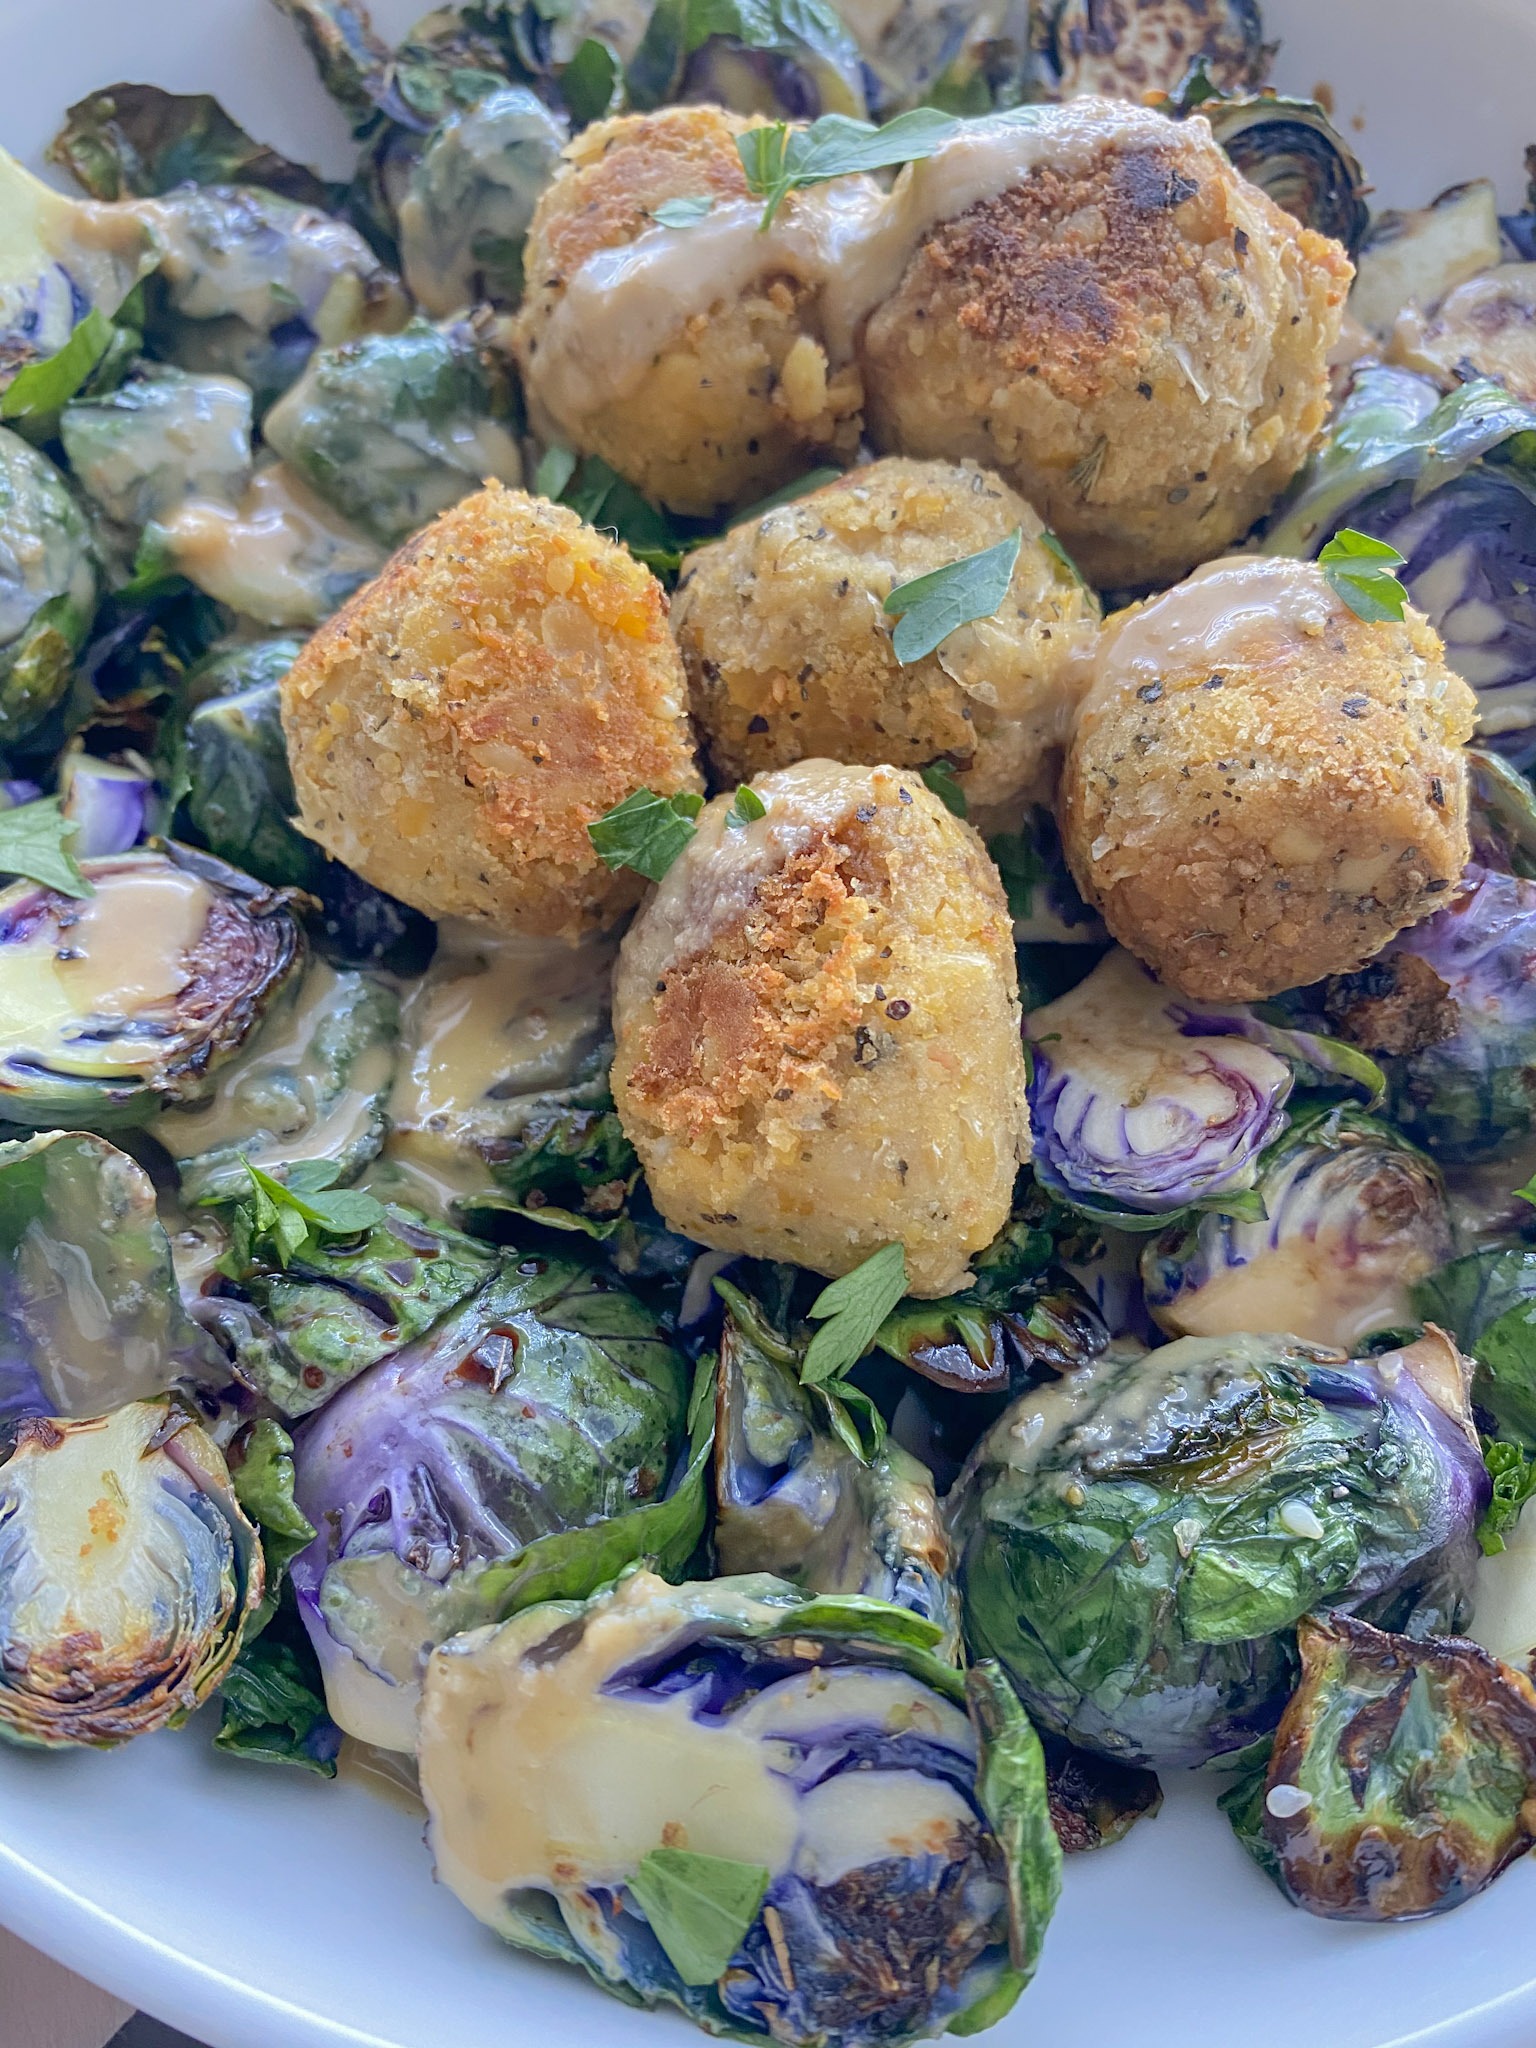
<point x="788" y="648"/>
<point x="1263" y="788"/>
<point x="456" y="727"/>
<point x="1140" y="345"/>
<point x="818" y="1030"/>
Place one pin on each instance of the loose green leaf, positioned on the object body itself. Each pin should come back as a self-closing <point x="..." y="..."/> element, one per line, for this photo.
<point x="931" y="607"/>
<point x="699" y="1907"/>
<point x="682" y="213"/>
<point x="1362" y="574"/>
<point x="592" y="83"/>
<point x="43" y="387"/>
<point x="851" y="1311"/>
<point x="646" y="832"/>
<point x="556" y="468"/>
<point x="263" y="1483"/>
<point x="787" y="494"/>
<point x="32" y="845"/>
<point x="274" y="1709"/>
<point x="1514" y="1481"/>
<point x="941" y="779"/>
<point x="596" y="492"/>
<point x="746" y="808"/>
<point x="1012" y="1792"/>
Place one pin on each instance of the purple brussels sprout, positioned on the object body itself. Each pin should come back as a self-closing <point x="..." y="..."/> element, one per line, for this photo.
<point x="107" y="802"/>
<point x="1138" y="1109"/>
<point x="16" y="792"/>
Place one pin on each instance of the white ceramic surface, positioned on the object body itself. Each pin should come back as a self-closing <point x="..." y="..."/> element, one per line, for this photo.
<point x="264" y="1910"/>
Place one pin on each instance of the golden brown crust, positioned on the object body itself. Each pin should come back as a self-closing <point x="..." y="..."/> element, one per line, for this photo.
<point x="789" y="653"/>
<point x="463" y="719"/>
<point x="1140" y="347"/>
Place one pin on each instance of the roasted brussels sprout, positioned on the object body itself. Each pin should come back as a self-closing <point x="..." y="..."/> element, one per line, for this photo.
<point x="1353" y="1216"/>
<point x="876" y="1868"/>
<point x="1483" y="328"/>
<point x="134" y="141"/>
<point x="1487" y="1300"/>
<point x="1291" y="150"/>
<point x="1138" y="1540"/>
<point x="941" y="53"/>
<point x="127" y="1573"/>
<point x="1414" y="259"/>
<point x="394" y="428"/>
<point x="107" y="802"/>
<point x="1400" y="1779"/>
<point x="779" y="58"/>
<point x="468" y="201"/>
<point x="141" y="451"/>
<point x="62" y="258"/>
<point x="88" y="1300"/>
<point x="549" y="1403"/>
<point x="1451" y="1009"/>
<point x="1136" y="1107"/>
<point x="311" y="1083"/>
<point x="47" y="587"/>
<point x="1130" y="48"/>
<point x="1451" y="484"/>
<point x="240" y="799"/>
<point x="795" y="1499"/>
<point x="138" y="993"/>
<point x="1095" y="1800"/>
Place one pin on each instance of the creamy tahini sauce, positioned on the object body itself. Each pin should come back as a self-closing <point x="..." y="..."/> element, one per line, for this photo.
<point x="1241" y="610"/>
<point x="271" y="555"/>
<point x="846" y="239"/>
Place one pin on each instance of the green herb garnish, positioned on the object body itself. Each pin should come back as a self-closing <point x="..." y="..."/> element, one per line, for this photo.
<point x="1362" y="574"/>
<point x="699" y="1907"/>
<point x="940" y="778"/>
<point x="931" y="607"/>
<point x="779" y="159"/>
<point x="746" y="808"/>
<point x="682" y="213"/>
<point x="32" y="845"/>
<point x="646" y="832"/>
<point x="281" y="1220"/>
<point x="851" y="1311"/>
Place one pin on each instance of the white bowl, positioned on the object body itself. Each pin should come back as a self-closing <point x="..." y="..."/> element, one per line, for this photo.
<point x="261" y="1909"/>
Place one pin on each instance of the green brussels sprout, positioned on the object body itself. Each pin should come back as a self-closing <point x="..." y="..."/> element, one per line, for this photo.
<point x="1138" y="1541"/>
<point x="115" y="1331"/>
<point x="1400" y="1778"/>
<point x="48" y="587"/>
<point x="1084" y="46"/>
<point x="239" y="798"/>
<point x="774" y="57"/>
<point x="1291" y="150"/>
<point x="795" y="1499"/>
<point x="310" y="1083"/>
<point x="394" y="428"/>
<point x="467" y="204"/>
<point x="135" y="141"/>
<point x="160" y="438"/>
<point x="1487" y="1301"/>
<point x="941" y="53"/>
<point x="135" y="995"/>
<point x="127" y="1574"/>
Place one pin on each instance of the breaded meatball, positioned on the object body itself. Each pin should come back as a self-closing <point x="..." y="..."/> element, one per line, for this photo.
<point x="1101" y="308"/>
<point x="690" y="356"/>
<point x="1262" y="788"/>
<point x="818" y="1030"/>
<point x="789" y="653"/>
<point x="458" y="725"/>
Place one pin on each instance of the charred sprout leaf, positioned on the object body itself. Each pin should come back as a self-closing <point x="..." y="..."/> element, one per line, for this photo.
<point x="851" y="1311"/>
<point x="41" y="388"/>
<point x="1362" y="572"/>
<point x="746" y="808"/>
<point x="931" y="607"/>
<point x="646" y="832"/>
<point x="1399" y="1782"/>
<point x="1011" y="1791"/>
<point x="144" y="1603"/>
<point x="1487" y="1301"/>
<point x="262" y="1471"/>
<point x="1094" y="1800"/>
<point x="135" y="141"/>
<point x="940" y="778"/>
<point x="699" y="1907"/>
<point x="236" y="780"/>
<point x="274" y="1708"/>
<point x="35" y="844"/>
<point x="1513" y="1476"/>
<point x="353" y="63"/>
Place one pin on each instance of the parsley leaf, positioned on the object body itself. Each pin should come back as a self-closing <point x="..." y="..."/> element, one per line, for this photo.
<point x="32" y="845"/>
<point x="940" y="778"/>
<point x="746" y="808"/>
<point x="699" y="1907"/>
<point x="1528" y="1192"/>
<point x="1514" y="1481"/>
<point x="646" y="832"/>
<point x="279" y="1220"/>
<point x="1361" y="572"/>
<point x="43" y="387"/>
<point x="596" y="493"/>
<point x="931" y="607"/>
<point x="779" y="159"/>
<point x="851" y="1311"/>
<point x="682" y="213"/>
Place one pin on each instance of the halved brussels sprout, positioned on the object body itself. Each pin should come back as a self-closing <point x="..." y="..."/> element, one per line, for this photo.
<point x="1354" y="1215"/>
<point x="1414" y="259"/>
<point x="240" y="800"/>
<point x="160" y="438"/>
<point x="550" y="1403"/>
<point x="88" y="1295"/>
<point x="310" y="1083"/>
<point x="394" y="428"/>
<point x="469" y="199"/>
<point x="134" y="995"/>
<point x="107" y="802"/>
<point x="870" y="1866"/>
<point x="1291" y="150"/>
<point x="782" y="58"/>
<point x="1401" y="1777"/>
<point x="127" y="1573"/>
<point x="941" y="53"/>
<point x="1138" y="1541"/>
<point x="1484" y="328"/>
<point x="794" y="1499"/>
<point x="48" y="587"/>
<point x="1129" y="48"/>
<point x="1136" y="1107"/>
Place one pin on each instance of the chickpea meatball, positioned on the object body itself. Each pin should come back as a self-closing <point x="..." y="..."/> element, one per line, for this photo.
<point x="458" y="725"/>
<point x="1262" y="788"/>
<point x="788" y="649"/>
<point x="818" y="1030"/>
<point x="689" y="357"/>
<point x="1102" y="309"/>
